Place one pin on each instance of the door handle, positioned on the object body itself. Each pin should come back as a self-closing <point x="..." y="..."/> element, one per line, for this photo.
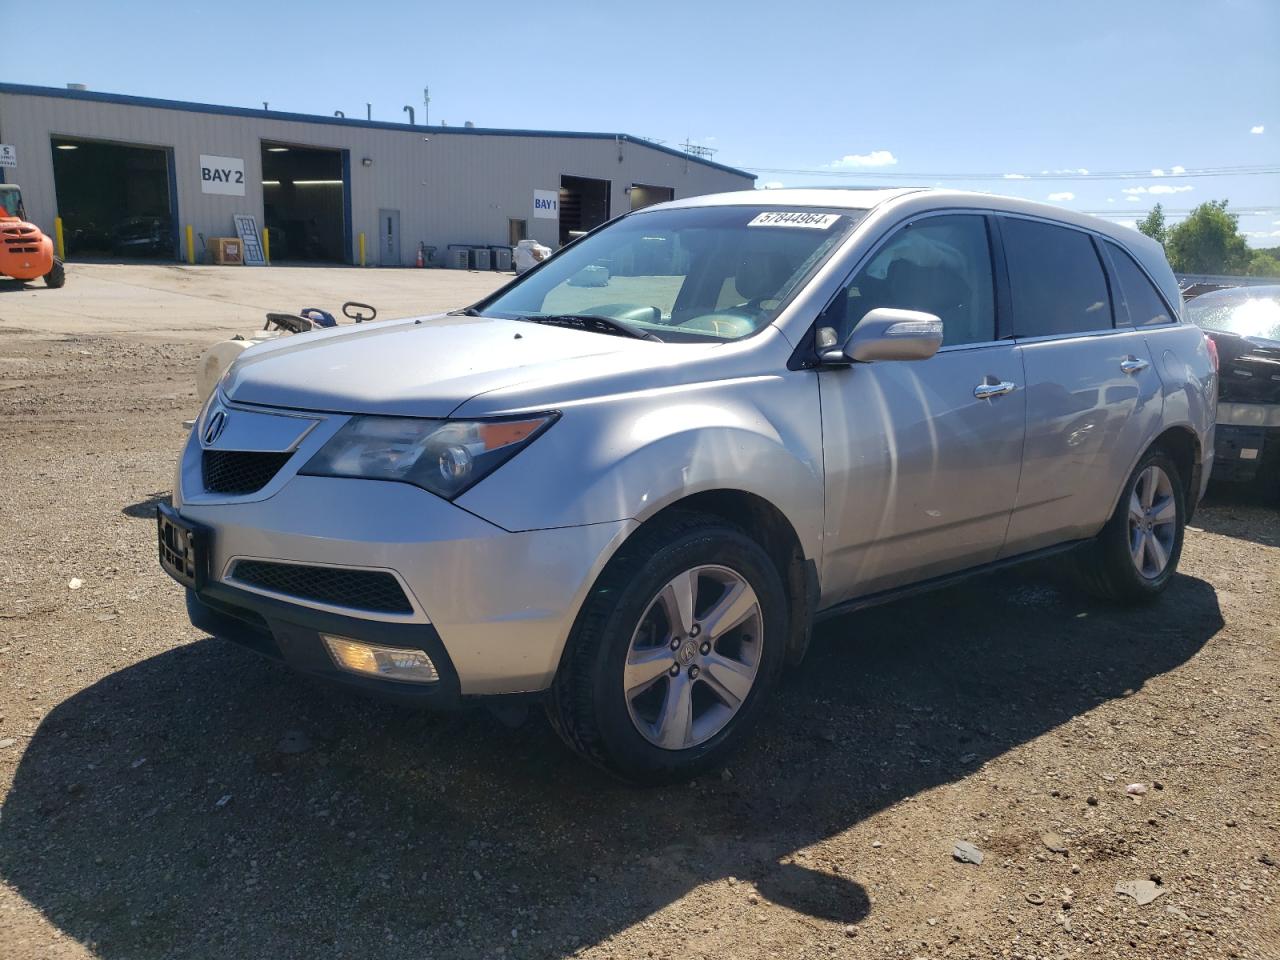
<point x="985" y="391"/>
<point x="1133" y="365"/>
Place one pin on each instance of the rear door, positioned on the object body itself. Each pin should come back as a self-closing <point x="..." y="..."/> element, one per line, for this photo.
<point x="1094" y="398"/>
<point x="921" y="457"/>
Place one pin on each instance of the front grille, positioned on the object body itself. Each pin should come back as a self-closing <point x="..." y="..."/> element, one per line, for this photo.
<point x="372" y="590"/>
<point x="235" y="471"/>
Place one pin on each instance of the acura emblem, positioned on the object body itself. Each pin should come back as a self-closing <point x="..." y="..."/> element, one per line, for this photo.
<point x="213" y="430"/>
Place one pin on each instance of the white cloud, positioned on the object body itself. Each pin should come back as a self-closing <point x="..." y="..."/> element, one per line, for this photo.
<point x="1263" y="233"/>
<point x="1111" y="199"/>
<point x="1159" y="188"/>
<point x="772" y="185"/>
<point x="709" y="139"/>
<point x="876" y="158"/>
<point x="1015" y="176"/>
<point x="1072" y="170"/>
<point x="1132" y="199"/>
<point x="1062" y="197"/>
<point x="1258" y="129"/>
<point x="1177" y="171"/>
<point x="1131" y="224"/>
<point x="1157" y="172"/>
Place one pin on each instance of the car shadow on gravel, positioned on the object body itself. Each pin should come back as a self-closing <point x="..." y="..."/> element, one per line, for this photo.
<point x="207" y="803"/>
<point x="146" y="509"/>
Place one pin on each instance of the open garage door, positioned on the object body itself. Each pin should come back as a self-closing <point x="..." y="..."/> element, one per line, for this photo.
<point x="646" y="195"/>
<point x="584" y="205"/>
<point x="115" y="199"/>
<point x="305" y="202"/>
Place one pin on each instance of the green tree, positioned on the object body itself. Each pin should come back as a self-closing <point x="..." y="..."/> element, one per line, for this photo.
<point x="1208" y="241"/>
<point x="1263" y="264"/>
<point x="1153" y="225"/>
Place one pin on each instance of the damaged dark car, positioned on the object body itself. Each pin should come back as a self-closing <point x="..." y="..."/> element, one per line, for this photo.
<point x="1244" y="323"/>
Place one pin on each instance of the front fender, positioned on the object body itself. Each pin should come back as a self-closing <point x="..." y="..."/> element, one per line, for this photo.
<point x="628" y="457"/>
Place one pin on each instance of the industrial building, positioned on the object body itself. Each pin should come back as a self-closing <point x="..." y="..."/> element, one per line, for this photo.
<point x="127" y="176"/>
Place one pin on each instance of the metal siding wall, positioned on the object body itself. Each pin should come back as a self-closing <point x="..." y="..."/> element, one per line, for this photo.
<point x="453" y="188"/>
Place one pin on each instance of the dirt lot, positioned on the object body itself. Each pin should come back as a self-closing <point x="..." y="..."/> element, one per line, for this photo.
<point x="168" y="795"/>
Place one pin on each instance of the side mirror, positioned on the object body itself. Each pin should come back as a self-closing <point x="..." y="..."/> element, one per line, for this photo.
<point x="887" y="333"/>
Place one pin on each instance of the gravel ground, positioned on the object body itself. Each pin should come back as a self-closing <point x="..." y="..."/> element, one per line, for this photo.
<point x="168" y="795"/>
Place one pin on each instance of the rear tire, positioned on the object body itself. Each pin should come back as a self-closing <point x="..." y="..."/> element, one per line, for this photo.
<point x="56" y="276"/>
<point x="616" y="700"/>
<point x="1136" y="554"/>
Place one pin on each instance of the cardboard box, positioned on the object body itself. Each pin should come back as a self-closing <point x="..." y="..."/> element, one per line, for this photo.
<point x="226" y="251"/>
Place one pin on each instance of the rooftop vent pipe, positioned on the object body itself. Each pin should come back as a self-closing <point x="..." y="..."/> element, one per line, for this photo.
<point x="77" y="86"/>
<point x="409" y="110"/>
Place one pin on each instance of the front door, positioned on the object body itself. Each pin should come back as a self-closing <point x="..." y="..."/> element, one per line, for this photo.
<point x="922" y="457"/>
<point x="389" y="232"/>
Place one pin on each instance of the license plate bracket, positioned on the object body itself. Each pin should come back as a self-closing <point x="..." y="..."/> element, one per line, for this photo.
<point x="183" y="547"/>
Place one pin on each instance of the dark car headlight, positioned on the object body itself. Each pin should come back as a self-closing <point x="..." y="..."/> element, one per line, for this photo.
<point x="445" y="457"/>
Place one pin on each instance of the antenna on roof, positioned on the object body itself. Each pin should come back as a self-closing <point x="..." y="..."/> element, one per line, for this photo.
<point x="696" y="150"/>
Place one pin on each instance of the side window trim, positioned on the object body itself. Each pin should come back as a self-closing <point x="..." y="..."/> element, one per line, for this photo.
<point x="1119" y="300"/>
<point x="1115" y="293"/>
<point x="1000" y="269"/>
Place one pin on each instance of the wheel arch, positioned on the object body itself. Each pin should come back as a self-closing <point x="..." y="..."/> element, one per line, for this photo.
<point x="766" y="524"/>
<point x="1183" y="446"/>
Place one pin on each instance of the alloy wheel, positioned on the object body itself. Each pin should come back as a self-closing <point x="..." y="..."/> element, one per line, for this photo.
<point x="1153" y="522"/>
<point x="693" y="657"/>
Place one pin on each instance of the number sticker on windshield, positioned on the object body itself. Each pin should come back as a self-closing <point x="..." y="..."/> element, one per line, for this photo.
<point x="779" y="218"/>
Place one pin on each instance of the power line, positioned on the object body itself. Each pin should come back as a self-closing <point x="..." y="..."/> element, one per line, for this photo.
<point x="1141" y="211"/>
<point x="1255" y="170"/>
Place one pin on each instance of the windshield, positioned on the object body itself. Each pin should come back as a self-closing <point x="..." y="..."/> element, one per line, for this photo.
<point x="1244" y="311"/>
<point x="10" y="202"/>
<point x="691" y="274"/>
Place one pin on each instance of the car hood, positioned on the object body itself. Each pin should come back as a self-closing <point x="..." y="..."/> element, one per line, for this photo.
<point x="425" y="367"/>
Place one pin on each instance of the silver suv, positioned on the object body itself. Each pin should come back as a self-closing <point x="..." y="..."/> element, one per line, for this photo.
<point x="629" y="482"/>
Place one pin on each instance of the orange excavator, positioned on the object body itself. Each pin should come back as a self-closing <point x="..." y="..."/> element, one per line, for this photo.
<point x="25" y="252"/>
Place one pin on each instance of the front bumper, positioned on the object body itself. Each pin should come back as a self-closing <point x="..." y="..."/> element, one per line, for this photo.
<point x="291" y="633"/>
<point x="500" y="603"/>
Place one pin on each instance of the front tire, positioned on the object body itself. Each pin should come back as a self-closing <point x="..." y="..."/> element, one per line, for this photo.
<point x="56" y="276"/>
<point x="673" y="653"/>
<point x="1136" y="555"/>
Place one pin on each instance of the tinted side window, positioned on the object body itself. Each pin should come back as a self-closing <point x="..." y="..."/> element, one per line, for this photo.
<point x="1145" y="305"/>
<point x="941" y="265"/>
<point x="1055" y="278"/>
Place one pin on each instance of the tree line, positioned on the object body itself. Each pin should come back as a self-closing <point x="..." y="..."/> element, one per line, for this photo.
<point x="1209" y="241"/>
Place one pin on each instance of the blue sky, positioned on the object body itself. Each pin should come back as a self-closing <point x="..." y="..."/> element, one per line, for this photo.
<point x="853" y="91"/>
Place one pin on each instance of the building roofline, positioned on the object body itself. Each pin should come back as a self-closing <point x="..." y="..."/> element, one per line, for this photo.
<point x="94" y="96"/>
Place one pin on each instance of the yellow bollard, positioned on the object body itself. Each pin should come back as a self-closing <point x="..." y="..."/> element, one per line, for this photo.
<point x="266" y="246"/>
<point x="57" y="238"/>
<point x="362" y="249"/>
<point x="191" y="245"/>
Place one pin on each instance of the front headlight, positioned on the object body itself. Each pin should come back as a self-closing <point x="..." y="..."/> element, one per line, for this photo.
<point x="443" y="456"/>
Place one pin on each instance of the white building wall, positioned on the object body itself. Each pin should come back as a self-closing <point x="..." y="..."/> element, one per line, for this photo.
<point x="454" y="186"/>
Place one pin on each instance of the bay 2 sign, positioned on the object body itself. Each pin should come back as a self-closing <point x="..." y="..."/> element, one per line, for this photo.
<point x="223" y="175"/>
<point x="546" y="204"/>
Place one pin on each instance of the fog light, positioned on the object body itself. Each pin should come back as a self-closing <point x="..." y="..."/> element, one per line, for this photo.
<point x="388" y="663"/>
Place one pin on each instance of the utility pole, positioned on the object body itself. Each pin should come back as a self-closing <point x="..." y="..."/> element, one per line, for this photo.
<point x="426" y="106"/>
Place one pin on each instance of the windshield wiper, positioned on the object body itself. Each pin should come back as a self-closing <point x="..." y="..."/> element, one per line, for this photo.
<point x="593" y="324"/>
